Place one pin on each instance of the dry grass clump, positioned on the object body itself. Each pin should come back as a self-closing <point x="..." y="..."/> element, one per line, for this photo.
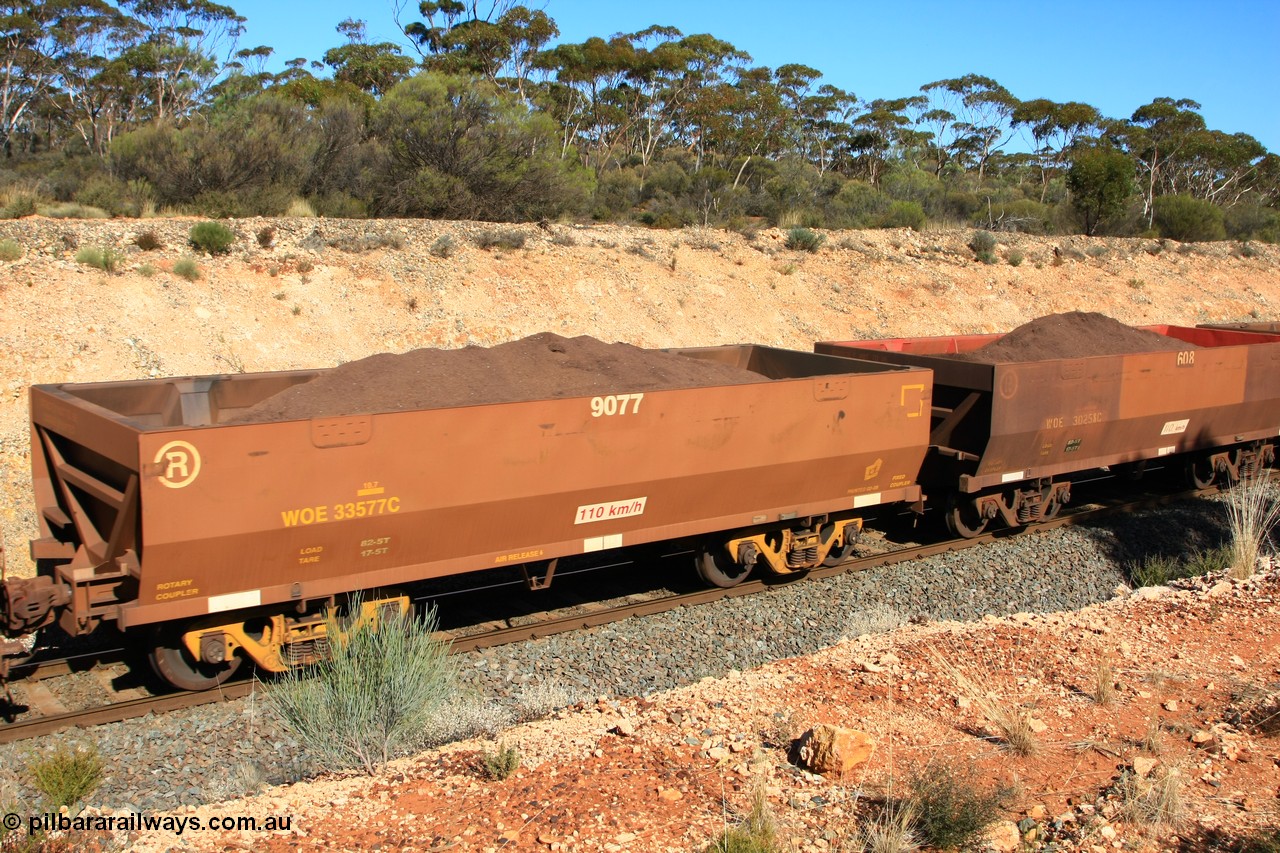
<point x="1104" y="683"/>
<point x="892" y="830"/>
<point x="1012" y="724"/>
<point x="1253" y="508"/>
<point x="1154" y="800"/>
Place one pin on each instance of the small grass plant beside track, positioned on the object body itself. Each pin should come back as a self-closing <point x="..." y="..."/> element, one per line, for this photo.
<point x="1253" y="508"/>
<point x="375" y="695"/>
<point x="67" y="775"/>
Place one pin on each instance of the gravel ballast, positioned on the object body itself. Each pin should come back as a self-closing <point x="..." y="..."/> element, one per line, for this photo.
<point x="222" y="751"/>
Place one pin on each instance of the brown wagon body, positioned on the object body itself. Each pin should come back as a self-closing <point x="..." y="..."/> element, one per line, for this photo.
<point x="153" y="509"/>
<point x="1014" y="428"/>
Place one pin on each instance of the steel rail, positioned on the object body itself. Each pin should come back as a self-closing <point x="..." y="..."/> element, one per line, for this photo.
<point x="551" y="625"/>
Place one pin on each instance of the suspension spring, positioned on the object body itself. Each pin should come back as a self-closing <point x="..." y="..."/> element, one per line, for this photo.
<point x="802" y="557"/>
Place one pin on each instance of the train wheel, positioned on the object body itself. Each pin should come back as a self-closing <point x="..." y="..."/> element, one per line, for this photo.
<point x="1201" y="472"/>
<point x="839" y="555"/>
<point x="717" y="568"/>
<point x="963" y="519"/>
<point x="172" y="662"/>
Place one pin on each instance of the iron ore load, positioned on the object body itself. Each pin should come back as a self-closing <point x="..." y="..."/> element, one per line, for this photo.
<point x="218" y="516"/>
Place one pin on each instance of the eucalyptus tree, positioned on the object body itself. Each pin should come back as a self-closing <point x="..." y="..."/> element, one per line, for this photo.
<point x="980" y="110"/>
<point x="1155" y="135"/>
<point x="1101" y="181"/>
<point x="882" y="127"/>
<point x="1054" y="129"/>
<point x="41" y="41"/>
<point x="370" y="67"/>
<point x="179" y="53"/>
<point x="498" y="40"/>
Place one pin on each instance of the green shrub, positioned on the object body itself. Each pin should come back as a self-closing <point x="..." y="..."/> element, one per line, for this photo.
<point x="146" y="270"/>
<point x="804" y="240"/>
<point x="211" y="237"/>
<point x="1209" y="561"/>
<point x="1252" y="222"/>
<point x="507" y="239"/>
<point x="10" y="250"/>
<point x="444" y="246"/>
<point x="373" y="697"/>
<point x="500" y="763"/>
<point x="1188" y="219"/>
<point x="951" y="807"/>
<point x="1154" y="570"/>
<point x="1015" y="257"/>
<point x="109" y="194"/>
<point x="982" y="241"/>
<point x="904" y="214"/>
<point x="187" y="268"/>
<point x="104" y="258"/>
<point x="67" y="775"/>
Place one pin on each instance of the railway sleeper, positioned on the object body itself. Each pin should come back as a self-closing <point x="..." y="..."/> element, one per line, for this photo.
<point x="282" y="641"/>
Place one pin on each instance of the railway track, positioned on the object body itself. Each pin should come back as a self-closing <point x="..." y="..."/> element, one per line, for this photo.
<point x="486" y="630"/>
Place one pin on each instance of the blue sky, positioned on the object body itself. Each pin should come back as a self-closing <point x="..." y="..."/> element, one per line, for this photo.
<point x="1115" y="55"/>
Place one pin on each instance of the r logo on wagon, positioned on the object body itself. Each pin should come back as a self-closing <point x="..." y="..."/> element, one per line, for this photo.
<point x="179" y="464"/>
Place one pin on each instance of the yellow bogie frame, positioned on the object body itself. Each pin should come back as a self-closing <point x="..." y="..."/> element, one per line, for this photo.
<point x="283" y="641"/>
<point x="787" y="551"/>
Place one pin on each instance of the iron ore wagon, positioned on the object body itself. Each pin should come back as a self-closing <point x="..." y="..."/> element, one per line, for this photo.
<point x="224" y="541"/>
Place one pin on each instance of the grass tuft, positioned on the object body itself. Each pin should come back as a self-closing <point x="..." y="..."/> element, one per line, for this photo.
<point x="10" y="250"/>
<point x="373" y="696"/>
<point x="104" y="258"/>
<point x="1011" y="723"/>
<point x="891" y="831"/>
<point x="756" y="834"/>
<point x="1104" y="683"/>
<point x="1155" y="801"/>
<point x="187" y="268"/>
